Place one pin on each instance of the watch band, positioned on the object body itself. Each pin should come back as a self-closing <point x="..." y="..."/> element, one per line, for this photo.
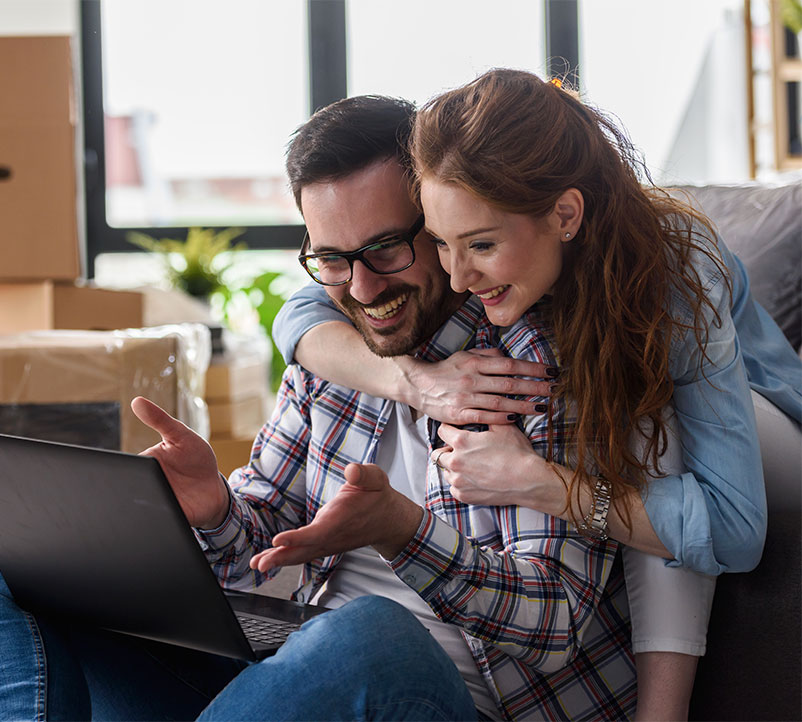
<point x="594" y="524"/>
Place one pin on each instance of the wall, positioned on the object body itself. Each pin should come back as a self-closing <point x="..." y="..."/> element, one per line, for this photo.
<point x="673" y="72"/>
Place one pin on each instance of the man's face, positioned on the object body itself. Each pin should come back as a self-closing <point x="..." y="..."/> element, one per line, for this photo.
<point x="394" y="313"/>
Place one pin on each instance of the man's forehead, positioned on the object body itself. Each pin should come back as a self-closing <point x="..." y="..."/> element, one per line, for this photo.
<point x="346" y="213"/>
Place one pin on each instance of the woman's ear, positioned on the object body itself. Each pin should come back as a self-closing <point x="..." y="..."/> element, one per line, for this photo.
<point x="568" y="212"/>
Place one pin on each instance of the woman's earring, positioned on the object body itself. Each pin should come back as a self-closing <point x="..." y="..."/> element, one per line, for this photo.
<point x="567" y="235"/>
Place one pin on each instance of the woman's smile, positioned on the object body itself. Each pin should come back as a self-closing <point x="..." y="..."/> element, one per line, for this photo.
<point x="493" y="296"/>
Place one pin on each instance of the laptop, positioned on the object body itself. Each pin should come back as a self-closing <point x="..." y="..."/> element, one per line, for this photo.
<point x="98" y="537"/>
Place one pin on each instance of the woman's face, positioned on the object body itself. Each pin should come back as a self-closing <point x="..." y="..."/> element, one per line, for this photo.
<point x="508" y="260"/>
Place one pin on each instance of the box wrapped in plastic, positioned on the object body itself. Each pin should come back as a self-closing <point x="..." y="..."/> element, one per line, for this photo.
<point x="76" y="386"/>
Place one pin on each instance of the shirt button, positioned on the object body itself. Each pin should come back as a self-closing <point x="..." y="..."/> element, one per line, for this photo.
<point x="300" y="597"/>
<point x="410" y="579"/>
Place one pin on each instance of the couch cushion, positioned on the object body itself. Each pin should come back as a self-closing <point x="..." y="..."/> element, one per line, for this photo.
<point x="754" y="642"/>
<point x="762" y="225"/>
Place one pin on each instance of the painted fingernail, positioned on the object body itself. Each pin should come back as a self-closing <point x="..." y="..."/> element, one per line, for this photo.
<point x="512" y="417"/>
<point x="552" y="371"/>
<point x="541" y="408"/>
<point x="553" y="388"/>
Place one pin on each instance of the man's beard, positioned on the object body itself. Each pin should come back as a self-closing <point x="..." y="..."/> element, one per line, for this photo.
<point x="395" y="341"/>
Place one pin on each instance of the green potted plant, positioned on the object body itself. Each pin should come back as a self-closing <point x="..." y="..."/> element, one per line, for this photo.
<point x="194" y="265"/>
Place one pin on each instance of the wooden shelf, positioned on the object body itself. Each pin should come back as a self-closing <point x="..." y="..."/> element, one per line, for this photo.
<point x="785" y="70"/>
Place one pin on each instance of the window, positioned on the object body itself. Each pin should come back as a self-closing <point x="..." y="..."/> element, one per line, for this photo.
<point x="432" y="46"/>
<point x="189" y="104"/>
<point x="200" y="97"/>
<point x="674" y="73"/>
<point x="195" y="117"/>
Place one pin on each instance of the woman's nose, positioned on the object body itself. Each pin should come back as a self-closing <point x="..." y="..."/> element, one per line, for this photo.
<point x="463" y="275"/>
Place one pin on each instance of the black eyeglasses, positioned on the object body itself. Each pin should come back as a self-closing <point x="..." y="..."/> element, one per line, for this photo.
<point x="389" y="255"/>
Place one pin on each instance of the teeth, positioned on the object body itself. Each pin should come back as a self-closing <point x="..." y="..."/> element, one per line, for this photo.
<point x="495" y="292"/>
<point x="388" y="310"/>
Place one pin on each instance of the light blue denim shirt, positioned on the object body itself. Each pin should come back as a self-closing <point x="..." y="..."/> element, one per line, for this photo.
<point x="712" y="518"/>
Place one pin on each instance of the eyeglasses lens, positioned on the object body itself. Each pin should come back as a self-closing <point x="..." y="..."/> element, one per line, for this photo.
<point x="386" y="257"/>
<point x="329" y="269"/>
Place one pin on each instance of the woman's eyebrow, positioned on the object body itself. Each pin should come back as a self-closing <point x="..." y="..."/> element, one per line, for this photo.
<point x="466" y="234"/>
<point x="478" y="230"/>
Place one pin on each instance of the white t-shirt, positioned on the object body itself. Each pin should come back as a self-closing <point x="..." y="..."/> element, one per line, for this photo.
<point x="403" y="454"/>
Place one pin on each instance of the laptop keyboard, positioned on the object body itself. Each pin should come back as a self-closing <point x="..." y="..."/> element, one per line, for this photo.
<point x="266" y="631"/>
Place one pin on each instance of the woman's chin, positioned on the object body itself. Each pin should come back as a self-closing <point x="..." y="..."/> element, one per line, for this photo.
<point x="501" y="316"/>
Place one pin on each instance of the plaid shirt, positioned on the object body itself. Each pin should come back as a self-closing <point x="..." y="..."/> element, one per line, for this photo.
<point x="543" y="610"/>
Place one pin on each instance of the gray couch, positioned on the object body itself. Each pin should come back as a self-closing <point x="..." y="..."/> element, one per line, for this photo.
<point x="754" y="646"/>
<point x="762" y="225"/>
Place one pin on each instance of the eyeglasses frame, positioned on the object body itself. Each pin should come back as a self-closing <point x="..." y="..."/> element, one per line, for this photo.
<point x="358" y="255"/>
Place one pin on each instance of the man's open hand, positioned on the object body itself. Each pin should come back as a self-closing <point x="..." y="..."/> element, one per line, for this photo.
<point x="188" y="463"/>
<point x="366" y="511"/>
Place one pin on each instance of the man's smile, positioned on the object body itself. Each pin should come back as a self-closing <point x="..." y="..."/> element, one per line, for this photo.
<point x="386" y="310"/>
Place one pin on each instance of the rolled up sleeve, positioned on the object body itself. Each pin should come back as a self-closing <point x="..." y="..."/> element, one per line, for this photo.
<point x="713" y="517"/>
<point x="305" y="309"/>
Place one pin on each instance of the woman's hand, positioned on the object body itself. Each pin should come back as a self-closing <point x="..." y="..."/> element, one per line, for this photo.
<point x="472" y="387"/>
<point x="498" y="467"/>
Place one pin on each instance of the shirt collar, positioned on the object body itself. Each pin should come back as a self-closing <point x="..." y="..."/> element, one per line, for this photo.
<point x="457" y="333"/>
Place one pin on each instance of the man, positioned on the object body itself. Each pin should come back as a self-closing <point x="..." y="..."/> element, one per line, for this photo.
<point x="525" y="615"/>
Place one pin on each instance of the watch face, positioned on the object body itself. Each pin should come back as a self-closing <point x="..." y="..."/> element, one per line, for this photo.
<point x="593" y="530"/>
<point x="592" y="533"/>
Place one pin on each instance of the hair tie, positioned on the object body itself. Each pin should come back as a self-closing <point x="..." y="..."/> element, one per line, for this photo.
<point x="566" y="87"/>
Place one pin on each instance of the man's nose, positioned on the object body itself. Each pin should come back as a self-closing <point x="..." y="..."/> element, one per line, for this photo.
<point x="365" y="285"/>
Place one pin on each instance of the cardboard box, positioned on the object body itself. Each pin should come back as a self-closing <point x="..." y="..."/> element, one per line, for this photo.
<point x="231" y="453"/>
<point x="38" y="202"/>
<point x="237" y="378"/>
<point x="77" y="386"/>
<point x="45" y="305"/>
<point x="238" y="419"/>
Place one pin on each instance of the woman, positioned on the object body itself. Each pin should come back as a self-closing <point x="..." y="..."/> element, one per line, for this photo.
<point x="535" y="203"/>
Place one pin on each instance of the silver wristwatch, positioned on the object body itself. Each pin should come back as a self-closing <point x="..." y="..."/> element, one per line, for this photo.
<point x="594" y="524"/>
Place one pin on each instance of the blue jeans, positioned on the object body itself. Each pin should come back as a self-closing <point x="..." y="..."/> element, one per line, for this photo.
<point x="369" y="660"/>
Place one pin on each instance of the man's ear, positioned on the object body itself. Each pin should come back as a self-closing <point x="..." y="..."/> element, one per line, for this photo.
<point x="568" y="212"/>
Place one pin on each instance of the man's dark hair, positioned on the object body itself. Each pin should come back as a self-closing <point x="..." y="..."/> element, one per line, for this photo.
<point x="347" y="136"/>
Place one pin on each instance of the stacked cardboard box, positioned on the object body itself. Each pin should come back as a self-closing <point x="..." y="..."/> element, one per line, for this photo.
<point x="71" y="386"/>
<point x="39" y="240"/>
<point x="38" y="199"/>
<point x="44" y="305"/>
<point x="77" y="386"/>
<point x="239" y="402"/>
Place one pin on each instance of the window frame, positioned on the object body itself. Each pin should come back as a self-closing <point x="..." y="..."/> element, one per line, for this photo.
<point x="328" y="82"/>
